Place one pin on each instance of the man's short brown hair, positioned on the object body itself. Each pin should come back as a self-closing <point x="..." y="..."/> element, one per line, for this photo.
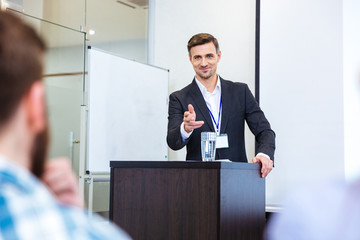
<point x="202" y="38"/>
<point x="21" y="62"/>
<point x="21" y="65"/>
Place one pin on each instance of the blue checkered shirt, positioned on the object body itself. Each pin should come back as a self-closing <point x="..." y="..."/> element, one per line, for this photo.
<point x="29" y="211"/>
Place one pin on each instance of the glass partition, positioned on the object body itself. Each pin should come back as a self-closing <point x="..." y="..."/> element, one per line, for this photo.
<point x="69" y="26"/>
<point x="70" y="13"/>
<point x="64" y="79"/>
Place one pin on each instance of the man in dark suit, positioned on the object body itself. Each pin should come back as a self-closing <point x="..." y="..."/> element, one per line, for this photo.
<point x="212" y="104"/>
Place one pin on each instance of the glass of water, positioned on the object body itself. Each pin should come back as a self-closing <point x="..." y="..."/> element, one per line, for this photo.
<point x="208" y="146"/>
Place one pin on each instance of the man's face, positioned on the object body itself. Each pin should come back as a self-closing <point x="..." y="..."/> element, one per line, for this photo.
<point x="204" y="60"/>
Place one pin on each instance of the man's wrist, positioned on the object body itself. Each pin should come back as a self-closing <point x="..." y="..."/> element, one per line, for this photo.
<point x="185" y="135"/>
<point x="263" y="154"/>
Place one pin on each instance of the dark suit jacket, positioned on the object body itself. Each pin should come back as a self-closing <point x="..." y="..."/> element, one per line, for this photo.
<point x="238" y="105"/>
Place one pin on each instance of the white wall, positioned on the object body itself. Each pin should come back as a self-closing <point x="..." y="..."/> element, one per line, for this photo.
<point x="301" y="89"/>
<point x="351" y="76"/>
<point x="232" y="22"/>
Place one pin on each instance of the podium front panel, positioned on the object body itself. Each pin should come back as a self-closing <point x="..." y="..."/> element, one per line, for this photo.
<point x="187" y="200"/>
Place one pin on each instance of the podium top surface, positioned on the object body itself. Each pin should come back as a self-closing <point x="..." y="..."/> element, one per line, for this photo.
<point x="185" y="164"/>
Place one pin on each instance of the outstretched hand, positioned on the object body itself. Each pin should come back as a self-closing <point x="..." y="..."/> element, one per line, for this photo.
<point x="190" y="122"/>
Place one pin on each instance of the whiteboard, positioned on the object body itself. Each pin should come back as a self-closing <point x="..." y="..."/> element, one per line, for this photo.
<point x="127" y="118"/>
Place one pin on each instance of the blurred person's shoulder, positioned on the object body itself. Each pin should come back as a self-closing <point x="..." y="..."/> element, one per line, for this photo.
<point x="29" y="211"/>
<point x="319" y="211"/>
<point x="94" y="227"/>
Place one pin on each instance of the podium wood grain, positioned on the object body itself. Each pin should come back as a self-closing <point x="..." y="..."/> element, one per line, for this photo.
<point x="188" y="200"/>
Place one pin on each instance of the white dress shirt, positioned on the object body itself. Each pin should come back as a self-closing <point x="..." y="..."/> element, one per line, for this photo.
<point x="212" y="100"/>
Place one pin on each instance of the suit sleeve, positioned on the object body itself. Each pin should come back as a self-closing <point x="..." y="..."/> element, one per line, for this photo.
<point x="175" y="118"/>
<point x="259" y="126"/>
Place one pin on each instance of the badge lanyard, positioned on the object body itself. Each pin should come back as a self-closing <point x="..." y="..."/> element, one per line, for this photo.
<point x="212" y="116"/>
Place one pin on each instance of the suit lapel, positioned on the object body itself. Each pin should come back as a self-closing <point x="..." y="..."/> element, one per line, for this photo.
<point x="226" y="103"/>
<point x="200" y="104"/>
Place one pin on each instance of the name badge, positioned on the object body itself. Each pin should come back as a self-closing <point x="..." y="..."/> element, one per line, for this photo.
<point x="222" y="141"/>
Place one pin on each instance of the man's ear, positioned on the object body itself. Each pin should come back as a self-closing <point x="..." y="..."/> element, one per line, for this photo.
<point x="35" y="107"/>
<point x="219" y="56"/>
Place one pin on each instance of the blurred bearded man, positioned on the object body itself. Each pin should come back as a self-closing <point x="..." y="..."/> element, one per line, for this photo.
<point x="38" y="199"/>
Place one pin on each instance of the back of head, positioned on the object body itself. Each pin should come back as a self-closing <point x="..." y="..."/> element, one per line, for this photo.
<point x="202" y="38"/>
<point x="21" y="62"/>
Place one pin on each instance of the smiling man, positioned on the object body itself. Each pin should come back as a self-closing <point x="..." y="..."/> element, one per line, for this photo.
<point x="212" y="104"/>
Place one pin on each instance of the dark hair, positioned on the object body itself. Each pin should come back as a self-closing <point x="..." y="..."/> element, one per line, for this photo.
<point x="202" y="38"/>
<point x="21" y="62"/>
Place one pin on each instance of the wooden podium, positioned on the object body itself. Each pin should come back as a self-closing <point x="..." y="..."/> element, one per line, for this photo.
<point x="187" y="200"/>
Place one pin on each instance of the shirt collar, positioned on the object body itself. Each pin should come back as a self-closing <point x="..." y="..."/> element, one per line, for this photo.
<point x="203" y="89"/>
